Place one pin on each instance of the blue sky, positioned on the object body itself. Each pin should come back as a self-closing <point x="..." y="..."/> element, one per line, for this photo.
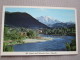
<point x="64" y="15"/>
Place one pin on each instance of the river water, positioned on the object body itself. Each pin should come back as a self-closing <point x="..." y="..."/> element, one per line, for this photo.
<point x="56" y="44"/>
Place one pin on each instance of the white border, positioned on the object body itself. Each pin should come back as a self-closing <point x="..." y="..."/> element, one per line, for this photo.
<point x="37" y="53"/>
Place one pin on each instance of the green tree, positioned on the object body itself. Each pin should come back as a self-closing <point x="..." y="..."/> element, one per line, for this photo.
<point x="31" y="34"/>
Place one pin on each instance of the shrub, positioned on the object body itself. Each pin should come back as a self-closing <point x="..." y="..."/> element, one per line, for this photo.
<point x="7" y="47"/>
<point x="31" y="34"/>
<point x="71" y="46"/>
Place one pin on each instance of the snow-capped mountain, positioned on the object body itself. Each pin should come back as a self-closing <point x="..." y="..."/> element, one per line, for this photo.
<point x="47" y="20"/>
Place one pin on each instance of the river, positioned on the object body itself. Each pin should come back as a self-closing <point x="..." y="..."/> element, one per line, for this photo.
<point x="56" y="44"/>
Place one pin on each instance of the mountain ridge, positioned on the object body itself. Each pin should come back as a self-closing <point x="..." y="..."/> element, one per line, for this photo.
<point x="54" y="23"/>
<point x="19" y="19"/>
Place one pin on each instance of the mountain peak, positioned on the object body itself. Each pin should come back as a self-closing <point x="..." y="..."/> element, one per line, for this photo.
<point x="47" y="20"/>
<point x="46" y="17"/>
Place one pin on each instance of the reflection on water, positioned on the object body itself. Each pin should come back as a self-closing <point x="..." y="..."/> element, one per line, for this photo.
<point x="56" y="44"/>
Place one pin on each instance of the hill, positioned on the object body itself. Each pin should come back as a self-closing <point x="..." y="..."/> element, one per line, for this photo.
<point x="19" y="19"/>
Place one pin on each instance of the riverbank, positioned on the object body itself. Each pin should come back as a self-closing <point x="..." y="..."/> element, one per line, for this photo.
<point x="36" y="40"/>
<point x="28" y="40"/>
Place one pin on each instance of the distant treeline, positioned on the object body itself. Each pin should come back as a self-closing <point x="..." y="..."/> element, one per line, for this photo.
<point x="60" y="31"/>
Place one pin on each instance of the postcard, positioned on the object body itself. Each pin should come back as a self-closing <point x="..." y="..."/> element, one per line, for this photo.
<point x="38" y="30"/>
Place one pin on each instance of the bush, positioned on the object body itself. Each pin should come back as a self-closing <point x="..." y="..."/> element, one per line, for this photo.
<point x="7" y="47"/>
<point x="71" y="46"/>
<point x="31" y="34"/>
<point x="68" y="47"/>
